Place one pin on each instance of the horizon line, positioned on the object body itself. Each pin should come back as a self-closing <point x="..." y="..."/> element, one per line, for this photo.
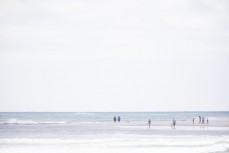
<point x="109" y="111"/>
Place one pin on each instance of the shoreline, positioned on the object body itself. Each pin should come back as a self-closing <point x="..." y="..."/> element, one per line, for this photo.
<point x="213" y="123"/>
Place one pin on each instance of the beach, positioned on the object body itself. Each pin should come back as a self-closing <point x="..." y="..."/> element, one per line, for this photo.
<point x="28" y="133"/>
<point x="214" y="123"/>
<point x="114" y="76"/>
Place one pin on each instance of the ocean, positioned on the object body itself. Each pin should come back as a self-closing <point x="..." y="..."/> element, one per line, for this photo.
<point x="68" y="132"/>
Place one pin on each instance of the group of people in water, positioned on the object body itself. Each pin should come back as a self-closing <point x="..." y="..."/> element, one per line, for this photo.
<point x="201" y="120"/>
<point x="173" y="124"/>
<point x="117" y="119"/>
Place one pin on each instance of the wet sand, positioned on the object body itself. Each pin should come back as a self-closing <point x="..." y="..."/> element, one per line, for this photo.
<point x="214" y="123"/>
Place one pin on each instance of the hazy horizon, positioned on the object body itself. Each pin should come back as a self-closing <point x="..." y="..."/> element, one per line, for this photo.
<point x="107" y="56"/>
<point x="109" y="112"/>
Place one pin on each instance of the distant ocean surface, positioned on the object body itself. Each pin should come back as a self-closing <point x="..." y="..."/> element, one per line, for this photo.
<point x="76" y="117"/>
<point x="60" y="132"/>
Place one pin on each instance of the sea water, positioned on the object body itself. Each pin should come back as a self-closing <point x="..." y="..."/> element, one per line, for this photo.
<point x="60" y="132"/>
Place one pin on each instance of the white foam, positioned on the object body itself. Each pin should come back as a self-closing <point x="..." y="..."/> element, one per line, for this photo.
<point x="128" y="140"/>
<point x="122" y="143"/>
<point x="114" y="145"/>
<point x="17" y="121"/>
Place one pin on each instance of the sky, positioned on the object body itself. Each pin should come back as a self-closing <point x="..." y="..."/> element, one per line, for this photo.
<point x="106" y="55"/>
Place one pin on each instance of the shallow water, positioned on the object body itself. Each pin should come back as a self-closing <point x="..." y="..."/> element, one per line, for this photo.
<point x="88" y="132"/>
<point x="75" y="117"/>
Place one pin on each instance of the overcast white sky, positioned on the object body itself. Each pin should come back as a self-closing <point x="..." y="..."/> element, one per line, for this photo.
<point x="114" y="55"/>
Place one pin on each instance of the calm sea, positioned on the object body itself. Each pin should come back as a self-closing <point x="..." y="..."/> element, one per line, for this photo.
<point x="75" y="117"/>
<point x="59" y="132"/>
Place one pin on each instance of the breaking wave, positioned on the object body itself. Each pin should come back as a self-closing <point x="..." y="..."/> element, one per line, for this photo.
<point x="17" y="121"/>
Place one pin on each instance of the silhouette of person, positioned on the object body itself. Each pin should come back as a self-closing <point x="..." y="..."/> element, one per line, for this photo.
<point x="119" y="119"/>
<point x="174" y="123"/>
<point x="193" y="120"/>
<point x="149" y="122"/>
<point x="199" y="119"/>
<point x="203" y="120"/>
<point x="114" y="118"/>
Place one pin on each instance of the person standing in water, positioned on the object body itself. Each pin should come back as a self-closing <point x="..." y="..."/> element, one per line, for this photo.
<point x="114" y="118"/>
<point x="199" y="119"/>
<point x="174" y="123"/>
<point x="149" y="122"/>
<point x="193" y="120"/>
<point x="119" y="119"/>
<point x="203" y="120"/>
